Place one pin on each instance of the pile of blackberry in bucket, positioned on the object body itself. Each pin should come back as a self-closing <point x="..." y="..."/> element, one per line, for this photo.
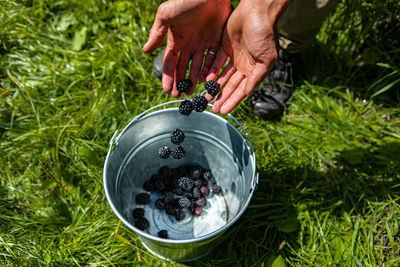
<point x="181" y="192"/>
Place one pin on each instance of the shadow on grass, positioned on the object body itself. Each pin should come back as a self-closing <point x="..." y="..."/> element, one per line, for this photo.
<point x="286" y="195"/>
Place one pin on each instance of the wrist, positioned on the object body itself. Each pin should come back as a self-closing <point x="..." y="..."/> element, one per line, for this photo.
<point x="271" y="9"/>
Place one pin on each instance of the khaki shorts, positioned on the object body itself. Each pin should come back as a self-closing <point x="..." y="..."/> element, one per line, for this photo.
<point x="301" y="21"/>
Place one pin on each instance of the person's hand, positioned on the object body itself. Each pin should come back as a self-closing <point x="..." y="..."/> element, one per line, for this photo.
<point x="193" y="27"/>
<point x="249" y="42"/>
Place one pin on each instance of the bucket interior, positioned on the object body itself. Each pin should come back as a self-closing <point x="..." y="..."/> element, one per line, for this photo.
<point x="210" y="142"/>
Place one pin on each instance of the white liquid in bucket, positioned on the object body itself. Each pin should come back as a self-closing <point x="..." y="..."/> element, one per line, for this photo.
<point x="213" y="217"/>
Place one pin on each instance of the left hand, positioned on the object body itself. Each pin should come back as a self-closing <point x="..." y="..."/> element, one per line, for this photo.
<point x="193" y="27"/>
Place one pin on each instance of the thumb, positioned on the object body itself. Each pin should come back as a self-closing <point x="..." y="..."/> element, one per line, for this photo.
<point x="157" y="34"/>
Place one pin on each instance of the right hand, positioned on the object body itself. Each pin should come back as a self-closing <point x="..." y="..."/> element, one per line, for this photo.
<point x="249" y="41"/>
<point x="193" y="27"/>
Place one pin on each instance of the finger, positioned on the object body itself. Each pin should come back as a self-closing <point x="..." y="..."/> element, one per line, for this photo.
<point x="219" y="61"/>
<point x="157" y="32"/>
<point x="254" y="78"/>
<point x="226" y="74"/>
<point x="231" y="86"/>
<point x="175" y="93"/>
<point x="169" y="65"/>
<point x="180" y="72"/>
<point x="182" y="66"/>
<point x="235" y="98"/>
<point x="208" y="60"/>
<point x="228" y="71"/>
<point x="195" y="67"/>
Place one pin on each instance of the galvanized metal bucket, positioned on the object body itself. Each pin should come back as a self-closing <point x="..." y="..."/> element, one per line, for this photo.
<point x="211" y="142"/>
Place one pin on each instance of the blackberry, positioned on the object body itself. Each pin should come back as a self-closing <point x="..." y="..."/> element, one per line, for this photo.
<point x="199" y="103"/>
<point x="156" y="177"/>
<point x="207" y="175"/>
<point x="170" y="209"/>
<point x="178" y="152"/>
<point x="182" y="171"/>
<point x="148" y="186"/>
<point x="197" y="211"/>
<point x="201" y="201"/>
<point x="138" y="212"/>
<point x="180" y="215"/>
<point x="164" y="171"/>
<point x="196" y="172"/>
<point x="164" y="152"/>
<point x="163" y="234"/>
<point x="142" y="223"/>
<point x="216" y="189"/>
<point x="177" y="137"/>
<point x="184" y="85"/>
<point x="143" y="198"/>
<point x="204" y="190"/>
<point x="199" y="183"/>
<point x="178" y="191"/>
<point x="160" y="204"/>
<point x="159" y="186"/>
<point x="184" y="202"/>
<point x="186" y="107"/>
<point x="212" y="87"/>
<point x="185" y="183"/>
<point x="168" y="197"/>
<point x="196" y="192"/>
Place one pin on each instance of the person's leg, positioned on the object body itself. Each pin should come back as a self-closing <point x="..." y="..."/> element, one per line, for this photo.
<point x="297" y="27"/>
<point x="301" y="22"/>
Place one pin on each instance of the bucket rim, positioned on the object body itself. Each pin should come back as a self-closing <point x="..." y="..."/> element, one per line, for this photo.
<point x="114" y="141"/>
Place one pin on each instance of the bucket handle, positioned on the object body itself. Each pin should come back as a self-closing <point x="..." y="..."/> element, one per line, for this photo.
<point x="115" y="138"/>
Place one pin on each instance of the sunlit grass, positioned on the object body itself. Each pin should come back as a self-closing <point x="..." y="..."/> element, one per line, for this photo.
<point x="72" y="73"/>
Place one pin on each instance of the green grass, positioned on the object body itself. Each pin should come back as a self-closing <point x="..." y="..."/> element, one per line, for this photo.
<point x="72" y="73"/>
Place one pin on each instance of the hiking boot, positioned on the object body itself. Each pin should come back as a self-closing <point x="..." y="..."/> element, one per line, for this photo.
<point x="270" y="96"/>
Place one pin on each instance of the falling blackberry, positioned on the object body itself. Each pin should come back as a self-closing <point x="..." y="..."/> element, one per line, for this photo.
<point x="164" y="152"/>
<point x="138" y="212"/>
<point x="199" y="103"/>
<point x="186" y="183"/>
<point x="180" y="215"/>
<point x="177" y="137"/>
<point x="212" y="87"/>
<point x="142" y="223"/>
<point x="148" y="186"/>
<point x="216" y="189"/>
<point x="178" y="152"/>
<point x="184" y="202"/>
<point x="143" y="198"/>
<point x="163" y="234"/>
<point x="184" y="85"/>
<point x="186" y="107"/>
